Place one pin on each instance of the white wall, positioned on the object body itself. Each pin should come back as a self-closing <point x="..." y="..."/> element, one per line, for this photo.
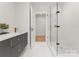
<point x="22" y="16"/>
<point x="7" y="13"/>
<point x="16" y="14"/>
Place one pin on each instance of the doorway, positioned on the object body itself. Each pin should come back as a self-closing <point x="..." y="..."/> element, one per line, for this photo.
<point x="40" y="18"/>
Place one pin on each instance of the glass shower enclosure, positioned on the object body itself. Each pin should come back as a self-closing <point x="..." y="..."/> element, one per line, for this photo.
<point x="67" y="24"/>
<point x="62" y="26"/>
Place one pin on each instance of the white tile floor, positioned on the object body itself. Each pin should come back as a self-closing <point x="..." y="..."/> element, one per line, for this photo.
<point x="38" y="50"/>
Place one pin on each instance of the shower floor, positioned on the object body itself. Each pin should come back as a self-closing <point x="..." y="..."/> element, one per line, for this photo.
<point x="63" y="51"/>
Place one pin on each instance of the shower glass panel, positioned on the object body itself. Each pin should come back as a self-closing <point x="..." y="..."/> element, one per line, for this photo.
<point x="68" y="33"/>
<point x="53" y="29"/>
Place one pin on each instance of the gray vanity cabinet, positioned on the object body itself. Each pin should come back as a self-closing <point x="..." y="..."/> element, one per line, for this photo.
<point x="13" y="47"/>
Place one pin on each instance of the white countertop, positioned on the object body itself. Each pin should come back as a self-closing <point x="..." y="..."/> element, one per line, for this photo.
<point x="9" y="35"/>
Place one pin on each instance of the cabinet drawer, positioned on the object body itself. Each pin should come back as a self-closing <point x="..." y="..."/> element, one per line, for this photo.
<point x="5" y="43"/>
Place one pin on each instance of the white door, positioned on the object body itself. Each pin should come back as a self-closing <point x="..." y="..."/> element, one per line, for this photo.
<point x="68" y="33"/>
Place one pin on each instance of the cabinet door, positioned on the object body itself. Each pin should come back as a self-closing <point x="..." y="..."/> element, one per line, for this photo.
<point x="16" y="40"/>
<point x="5" y="49"/>
<point x="16" y="51"/>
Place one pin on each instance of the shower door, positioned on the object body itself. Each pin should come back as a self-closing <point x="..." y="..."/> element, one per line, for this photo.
<point x="68" y="32"/>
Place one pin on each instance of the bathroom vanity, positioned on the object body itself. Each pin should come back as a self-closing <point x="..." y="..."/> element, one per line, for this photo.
<point x="12" y="44"/>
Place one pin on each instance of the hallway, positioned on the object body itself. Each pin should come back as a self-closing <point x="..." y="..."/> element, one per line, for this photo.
<point x="40" y="49"/>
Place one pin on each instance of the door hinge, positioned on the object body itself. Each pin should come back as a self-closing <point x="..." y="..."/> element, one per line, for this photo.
<point x="57" y="26"/>
<point x="58" y="12"/>
<point x="57" y="43"/>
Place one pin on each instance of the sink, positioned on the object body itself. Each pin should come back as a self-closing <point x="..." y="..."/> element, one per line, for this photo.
<point x="4" y="33"/>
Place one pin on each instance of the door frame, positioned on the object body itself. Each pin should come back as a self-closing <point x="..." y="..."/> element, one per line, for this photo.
<point x="30" y="14"/>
